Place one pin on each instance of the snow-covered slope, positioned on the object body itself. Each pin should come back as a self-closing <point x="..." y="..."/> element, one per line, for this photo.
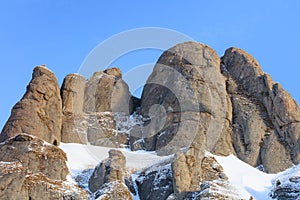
<point x="82" y="157"/>
<point x="248" y="180"/>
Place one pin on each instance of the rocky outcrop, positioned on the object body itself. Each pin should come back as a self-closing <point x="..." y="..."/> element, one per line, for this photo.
<point x="226" y="106"/>
<point x="114" y="190"/>
<point x="185" y="98"/>
<point x="72" y="93"/>
<point x="90" y="108"/>
<point x="31" y="168"/>
<point x="17" y="182"/>
<point x="265" y="117"/>
<point x="191" y="168"/>
<point x="111" y="169"/>
<point x="108" y="178"/>
<point x="36" y="155"/>
<point x="106" y="91"/>
<point x="155" y="183"/>
<point x="39" y="112"/>
<point x="286" y="185"/>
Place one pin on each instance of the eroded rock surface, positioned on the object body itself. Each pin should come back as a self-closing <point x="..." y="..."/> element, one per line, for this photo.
<point x="35" y="155"/>
<point x="39" y="112"/>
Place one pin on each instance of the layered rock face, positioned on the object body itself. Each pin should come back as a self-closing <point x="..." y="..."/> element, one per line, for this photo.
<point x="39" y="112"/>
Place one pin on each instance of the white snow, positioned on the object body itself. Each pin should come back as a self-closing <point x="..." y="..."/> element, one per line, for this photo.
<point x="82" y="156"/>
<point x="249" y="180"/>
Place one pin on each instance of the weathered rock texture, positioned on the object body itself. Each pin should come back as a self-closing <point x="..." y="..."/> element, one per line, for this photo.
<point x="39" y="112"/>
<point x="191" y="168"/>
<point x="114" y="190"/>
<point x="89" y="108"/>
<point x="72" y="93"/>
<point x="265" y="117"/>
<point x="155" y="183"/>
<point x="31" y="169"/>
<point x="286" y="185"/>
<point x="228" y="105"/>
<point x="35" y="155"/>
<point x="111" y="169"/>
<point x="185" y="98"/>
<point x="106" y="91"/>
<point x="17" y="182"/>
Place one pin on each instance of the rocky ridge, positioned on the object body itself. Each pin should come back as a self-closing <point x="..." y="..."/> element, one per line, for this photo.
<point x="192" y="102"/>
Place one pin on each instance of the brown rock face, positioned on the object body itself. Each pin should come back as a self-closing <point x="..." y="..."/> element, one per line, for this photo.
<point x="90" y="107"/>
<point x="39" y="112"/>
<point x="19" y="183"/>
<point x="191" y="169"/>
<point x="107" y="92"/>
<point x="265" y="117"/>
<point x="110" y="170"/>
<point x="114" y="190"/>
<point x="72" y="93"/>
<point x="35" y="155"/>
<point x="186" y="87"/>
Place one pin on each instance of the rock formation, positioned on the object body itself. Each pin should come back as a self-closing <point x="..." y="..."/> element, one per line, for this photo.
<point x="31" y="169"/>
<point x="185" y="98"/>
<point x="39" y="112"/>
<point x="90" y="107"/>
<point x="265" y="117"/>
<point x="72" y="93"/>
<point x="35" y="155"/>
<point x="155" y="183"/>
<point x="109" y="170"/>
<point x="227" y="105"/>
<point x="193" y="102"/>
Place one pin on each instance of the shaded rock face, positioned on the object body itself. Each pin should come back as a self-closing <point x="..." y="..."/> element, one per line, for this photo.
<point x="39" y="112"/>
<point x="155" y="183"/>
<point x="286" y="185"/>
<point x="19" y="183"/>
<point x="35" y="155"/>
<point x="265" y="117"/>
<point x="185" y="98"/>
<point x="109" y="170"/>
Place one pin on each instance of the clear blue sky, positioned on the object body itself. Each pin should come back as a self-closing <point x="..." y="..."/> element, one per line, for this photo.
<point x="61" y="34"/>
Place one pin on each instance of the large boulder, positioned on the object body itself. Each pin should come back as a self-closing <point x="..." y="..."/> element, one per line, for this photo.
<point x="109" y="170"/>
<point x="106" y="91"/>
<point x="90" y="108"/>
<point x="191" y="168"/>
<point x="36" y="155"/>
<point x="17" y="182"/>
<point x="185" y="99"/>
<point x="39" y="112"/>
